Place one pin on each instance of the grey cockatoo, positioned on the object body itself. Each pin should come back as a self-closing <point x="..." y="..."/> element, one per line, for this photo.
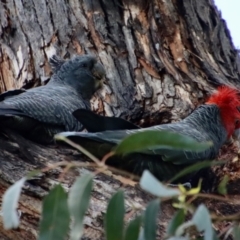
<point x="41" y="112"/>
<point x="213" y="121"/>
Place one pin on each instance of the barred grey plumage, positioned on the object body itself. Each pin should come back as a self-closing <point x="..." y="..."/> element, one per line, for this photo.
<point x="204" y="124"/>
<point x="41" y="112"/>
<point x="214" y="121"/>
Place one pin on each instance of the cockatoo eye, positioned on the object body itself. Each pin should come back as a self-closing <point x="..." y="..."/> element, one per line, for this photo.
<point x="237" y="123"/>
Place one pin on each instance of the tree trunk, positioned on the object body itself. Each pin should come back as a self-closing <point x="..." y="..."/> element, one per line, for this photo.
<point x="162" y="58"/>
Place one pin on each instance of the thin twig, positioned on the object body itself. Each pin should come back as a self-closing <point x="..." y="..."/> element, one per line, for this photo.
<point x="213" y="197"/>
<point x="107" y="156"/>
<point x="83" y="150"/>
<point x="232" y="217"/>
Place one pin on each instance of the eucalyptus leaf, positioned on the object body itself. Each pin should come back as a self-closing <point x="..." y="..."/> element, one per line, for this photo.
<point x="150" y="139"/>
<point x="236" y="233"/>
<point x="222" y="187"/>
<point x="55" y="215"/>
<point x="178" y="238"/>
<point x="151" y="184"/>
<point x="78" y="202"/>
<point x="215" y="236"/>
<point x="141" y="235"/>
<point x="133" y="229"/>
<point x="175" y="222"/>
<point x="114" y="218"/>
<point x="33" y="173"/>
<point x="150" y="217"/>
<point x="202" y="220"/>
<point x="10" y="203"/>
<point x="196" y="167"/>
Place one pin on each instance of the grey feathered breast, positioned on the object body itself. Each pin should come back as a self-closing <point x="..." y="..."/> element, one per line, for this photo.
<point x="53" y="105"/>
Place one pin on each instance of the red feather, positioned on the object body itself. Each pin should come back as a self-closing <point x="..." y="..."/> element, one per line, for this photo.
<point x="228" y="100"/>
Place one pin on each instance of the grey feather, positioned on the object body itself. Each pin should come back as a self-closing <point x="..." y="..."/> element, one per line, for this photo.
<point x="97" y="123"/>
<point x="50" y="107"/>
<point x="56" y="62"/>
<point x="204" y="124"/>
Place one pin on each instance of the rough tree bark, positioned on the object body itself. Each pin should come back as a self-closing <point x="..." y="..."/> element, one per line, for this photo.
<point x="162" y="58"/>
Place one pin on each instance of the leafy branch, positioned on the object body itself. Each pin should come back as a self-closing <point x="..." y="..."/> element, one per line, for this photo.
<point x="59" y="207"/>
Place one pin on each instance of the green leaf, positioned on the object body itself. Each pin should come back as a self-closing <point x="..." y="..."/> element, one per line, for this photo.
<point x="133" y="229"/>
<point x="33" y="173"/>
<point x="175" y="222"/>
<point x="55" y="216"/>
<point x="202" y="221"/>
<point x="78" y="202"/>
<point x="150" y="139"/>
<point x="222" y="187"/>
<point x="150" y="225"/>
<point x="114" y="223"/>
<point x="236" y="233"/>
<point x="196" y="167"/>
<point x="150" y="184"/>
<point x="141" y="235"/>
<point x="10" y="203"/>
<point x="178" y="238"/>
<point x="215" y="236"/>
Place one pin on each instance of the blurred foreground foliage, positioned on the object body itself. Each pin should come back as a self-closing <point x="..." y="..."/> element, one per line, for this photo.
<point x="63" y="213"/>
